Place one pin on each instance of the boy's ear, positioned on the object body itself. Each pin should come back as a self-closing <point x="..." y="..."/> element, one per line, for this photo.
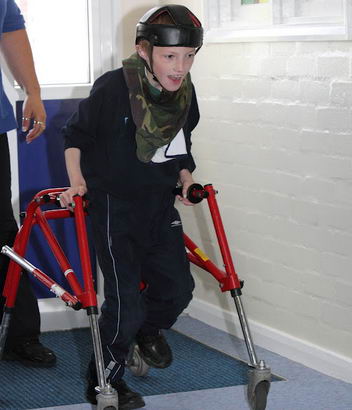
<point x="141" y="51"/>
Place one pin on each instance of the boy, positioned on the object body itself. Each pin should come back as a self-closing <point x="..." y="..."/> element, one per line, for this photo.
<point x="128" y="146"/>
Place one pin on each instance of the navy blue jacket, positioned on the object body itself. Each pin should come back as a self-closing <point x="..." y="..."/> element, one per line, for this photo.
<point x="104" y="131"/>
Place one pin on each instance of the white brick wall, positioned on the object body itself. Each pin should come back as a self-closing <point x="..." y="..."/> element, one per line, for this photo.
<point x="276" y="139"/>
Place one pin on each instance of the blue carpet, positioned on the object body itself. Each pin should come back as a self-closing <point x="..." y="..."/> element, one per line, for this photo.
<point x="196" y="367"/>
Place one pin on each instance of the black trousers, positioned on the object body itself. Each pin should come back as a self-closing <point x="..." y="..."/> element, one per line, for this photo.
<point x="138" y="239"/>
<point x="25" y="320"/>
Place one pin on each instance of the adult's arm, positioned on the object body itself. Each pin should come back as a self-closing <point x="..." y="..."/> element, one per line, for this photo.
<point x="17" y="51"/>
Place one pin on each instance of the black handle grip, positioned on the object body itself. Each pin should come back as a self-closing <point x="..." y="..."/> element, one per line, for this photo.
<point x="47" y="198"/>
<point x="195" y="193"/>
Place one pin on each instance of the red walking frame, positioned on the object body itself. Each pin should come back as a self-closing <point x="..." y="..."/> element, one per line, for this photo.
<point x="85" y="296"/>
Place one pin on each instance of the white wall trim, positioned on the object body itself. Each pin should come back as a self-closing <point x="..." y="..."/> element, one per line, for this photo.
<point x="55" y="315"/>
<point x="284" y="344"/>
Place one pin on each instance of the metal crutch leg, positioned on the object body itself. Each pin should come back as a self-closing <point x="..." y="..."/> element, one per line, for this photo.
<point x="4" y="328"/>
<point x="107" y="397"/>
<point x="259" y="375"/>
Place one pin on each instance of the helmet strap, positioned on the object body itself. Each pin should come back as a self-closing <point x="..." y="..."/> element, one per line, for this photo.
<point x="149" y="66"/>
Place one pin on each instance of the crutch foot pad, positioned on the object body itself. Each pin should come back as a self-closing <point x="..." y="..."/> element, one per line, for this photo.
<point x="155" y="350"/>
<point x="135" y="363"/>
<point x="259" y="378"/>
<point x="128" y="399"/>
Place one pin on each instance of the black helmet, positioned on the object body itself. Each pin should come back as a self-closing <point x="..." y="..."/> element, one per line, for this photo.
<point x="186" y="31"/>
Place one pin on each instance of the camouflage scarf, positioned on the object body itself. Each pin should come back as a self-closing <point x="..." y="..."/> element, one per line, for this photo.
<point x="158" y="118"/>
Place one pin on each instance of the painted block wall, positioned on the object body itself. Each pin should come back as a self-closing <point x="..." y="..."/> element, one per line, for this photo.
<point x="130" y="12"/>
<point x="275" y="139"/>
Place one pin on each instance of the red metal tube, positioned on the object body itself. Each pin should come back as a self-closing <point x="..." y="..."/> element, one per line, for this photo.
<point x="54" y="287"/>
<point x="233" y="281"/>
<point x="89" y="297"/>
<point x="14" y="271"/>
<point x="199" y="258"/>
<point x="58" y="252"/>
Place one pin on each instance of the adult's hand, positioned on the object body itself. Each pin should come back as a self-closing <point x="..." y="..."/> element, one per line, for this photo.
<point x="33" y="110"/>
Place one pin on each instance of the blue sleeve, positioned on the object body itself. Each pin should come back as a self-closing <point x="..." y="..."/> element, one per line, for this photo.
<point x="13" y="19"/>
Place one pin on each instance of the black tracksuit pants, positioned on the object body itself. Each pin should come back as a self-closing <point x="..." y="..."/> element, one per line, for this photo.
<point x="25" y="320"/>
<point x="138" y="239"/>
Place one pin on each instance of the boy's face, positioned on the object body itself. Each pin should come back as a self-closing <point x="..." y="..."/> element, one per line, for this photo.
<point x="170" y="65"/>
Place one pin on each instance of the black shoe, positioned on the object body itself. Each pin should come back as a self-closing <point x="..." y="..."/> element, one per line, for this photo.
<point x="31" y="353"/>
<point x="128" y="399"/>
<point x="154" y="350"/>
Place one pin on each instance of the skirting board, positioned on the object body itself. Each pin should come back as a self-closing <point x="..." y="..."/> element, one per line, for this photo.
<point x="55" y="315"/>
<point x="284" y="344"/>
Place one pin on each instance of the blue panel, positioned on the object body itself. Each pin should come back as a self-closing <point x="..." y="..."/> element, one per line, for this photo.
<point x="42" y="165"/>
